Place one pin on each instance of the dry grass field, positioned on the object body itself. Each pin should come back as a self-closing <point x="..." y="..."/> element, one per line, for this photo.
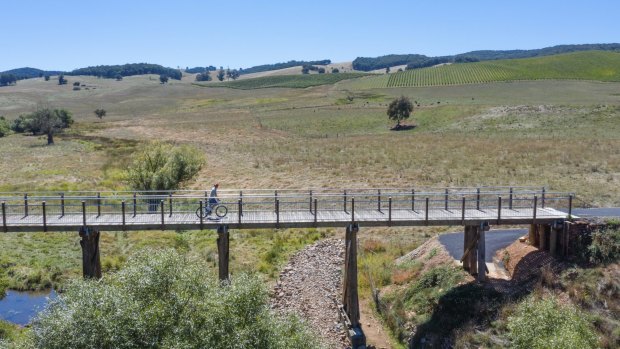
<point x="561" y="134"/>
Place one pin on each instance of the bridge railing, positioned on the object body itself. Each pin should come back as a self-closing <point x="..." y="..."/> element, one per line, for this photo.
<point x="307" y="205"/>
<point x="5" y="196"/>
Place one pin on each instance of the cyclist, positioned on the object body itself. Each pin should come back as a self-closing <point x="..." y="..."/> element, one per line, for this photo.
<point x="212" y="199"/>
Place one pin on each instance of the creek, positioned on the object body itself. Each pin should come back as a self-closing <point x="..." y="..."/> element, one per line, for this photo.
<point x="21" y="307"/>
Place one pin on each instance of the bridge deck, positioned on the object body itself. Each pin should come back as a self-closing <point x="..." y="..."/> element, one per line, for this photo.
<point x="300" y="210"/>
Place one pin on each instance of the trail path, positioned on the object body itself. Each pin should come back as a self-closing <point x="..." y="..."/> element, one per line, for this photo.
<point x="309" y="286"/>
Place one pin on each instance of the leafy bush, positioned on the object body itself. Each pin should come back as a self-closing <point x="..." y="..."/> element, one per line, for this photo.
<point x="163" y="299"/>
<point x="5" y="128"/>
<point x="433" y="284"/>
<point x="21" y="124"/>
<point x="605" y="246"/>
<point x="548" y="324"/>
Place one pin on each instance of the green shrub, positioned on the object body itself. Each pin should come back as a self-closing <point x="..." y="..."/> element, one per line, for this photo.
<point x="548" y="324"/>
<point x="605" y="246"/>
<point x="5" y="128"/>
<point x="163" y="299"/>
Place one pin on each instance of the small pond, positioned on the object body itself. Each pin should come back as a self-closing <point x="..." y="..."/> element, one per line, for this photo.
<point x="21" y="307"/>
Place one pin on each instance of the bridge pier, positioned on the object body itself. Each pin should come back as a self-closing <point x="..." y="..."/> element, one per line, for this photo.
<point x="350" y="311"/>
<point x="474" y="250"/>
<point x="91" y="262"/>
<point x="223" y="238"/>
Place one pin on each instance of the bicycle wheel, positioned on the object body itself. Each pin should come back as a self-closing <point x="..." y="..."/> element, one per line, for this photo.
<point x="221" y="211"/>
<point x="201" y="213"/>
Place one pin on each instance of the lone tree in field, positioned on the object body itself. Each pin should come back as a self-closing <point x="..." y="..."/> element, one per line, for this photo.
<point x="163" y="78"/>
<point x="221" y="74"/>
<point x="400" y="109"/>
<point x="100" y="113"/>
<point x="62" y="80"/>
<point x="49" y="122"/>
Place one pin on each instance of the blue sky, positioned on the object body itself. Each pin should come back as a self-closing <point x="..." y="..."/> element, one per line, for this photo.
<point x="69" y="34"/>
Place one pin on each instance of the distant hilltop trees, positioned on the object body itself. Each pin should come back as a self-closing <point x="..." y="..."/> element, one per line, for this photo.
<point x="7" y="79"/>
<point x="276" y="66"/>
<point x="198" y="70"/>
<point x="414" y="61"/>
<point x="114" y="71"/>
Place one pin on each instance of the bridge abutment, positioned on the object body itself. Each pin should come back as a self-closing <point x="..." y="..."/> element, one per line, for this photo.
<point x="91" y="262"/>
<point x="553" y="238"/>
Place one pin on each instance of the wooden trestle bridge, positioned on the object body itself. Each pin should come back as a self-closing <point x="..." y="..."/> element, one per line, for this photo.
<point x="473" y="208"/>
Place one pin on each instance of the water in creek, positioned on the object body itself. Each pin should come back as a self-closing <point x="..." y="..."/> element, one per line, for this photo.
<point x="21" y="307"/>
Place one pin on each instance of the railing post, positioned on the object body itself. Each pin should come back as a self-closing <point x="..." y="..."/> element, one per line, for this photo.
<point x="276" y="200"/>
<point x="535" y="209"/>
<point x="463" y="211"/>
<point x="446" y="200"/>
<point x="161" y="206"/>
<point x="310" y="201"/>
<point x="135" y="203"/>
<point x="123" y="213"/>
<point x="25" y="205"/>
<point x="4" y="217"/>
<point x="379" y="200"/>
<point x="98" y="205"/>
<point x="478" y="199"/>
<point x="499" y="209"/>
<point x="345" y="201"/>
<point x="389" y="211"/>
<point x="62" y="204"/>
<point x="200" y="215"/>
<point x="44" y="216"/>
<point x="83" y="213"/>
<point x="426" y="213"/>
<point x="570" y="206"/>
<point x="353" y="210"/>
<point x="277" y="213"/>
<point x="413" y="200"/>
<point x="170" y="204"/>
<point x="543" y="198"/>
<point x="239" y="210"/>
<point x="510" y="200"/>
<point x="315" y="211"/>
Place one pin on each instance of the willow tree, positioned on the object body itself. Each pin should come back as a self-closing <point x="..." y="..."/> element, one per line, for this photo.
<point x="160" y="166"/>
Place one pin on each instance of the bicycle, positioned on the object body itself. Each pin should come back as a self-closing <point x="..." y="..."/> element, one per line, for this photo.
<point x="220" y="211"/>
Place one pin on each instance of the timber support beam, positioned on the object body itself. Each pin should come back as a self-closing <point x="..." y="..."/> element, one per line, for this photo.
<point x="91" y="262"/>
<point x="474" y="250"/>
<point x="350" y="311"/>
<point x="223" y="238"/>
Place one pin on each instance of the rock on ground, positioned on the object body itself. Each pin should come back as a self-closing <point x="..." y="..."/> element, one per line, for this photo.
<point x="309" y="286"/>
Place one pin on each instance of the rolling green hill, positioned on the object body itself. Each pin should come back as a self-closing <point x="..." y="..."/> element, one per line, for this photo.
<point x="291" y="81"/>
<point x="419" y="61"/>
<point x="592" y="65"/>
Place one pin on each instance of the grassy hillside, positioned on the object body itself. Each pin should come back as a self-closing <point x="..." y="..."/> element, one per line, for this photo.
<point x="564" y="134"/>
<point x="593" y="65"/>
<point x="291" y="81"/>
